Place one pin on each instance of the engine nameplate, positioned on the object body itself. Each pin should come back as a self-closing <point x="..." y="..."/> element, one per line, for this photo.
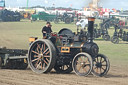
<point x="65" y="49"/>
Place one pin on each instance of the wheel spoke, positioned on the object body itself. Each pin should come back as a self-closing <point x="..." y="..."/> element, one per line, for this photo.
<point x="79" y="68"/>
<point x="103" y="61"/>
<point x="47" y="59"/>
<point x="41" y="49"/>
<point x="86" y="60"/>
<point x="38" y="47"/>
<point x="45" y="51"/>
<point x="35" y="59"/>
<point x="44" y="46"/>
<point x="104" y="65"/>
<point x="46" y="56"/>
<point x="35" y="56"/>
<point x="102" y="68"/>
<point x="35" y="52"/>
<point x="100" y="59"/>
<point x="77" y="62"/>
<point x="81" y="59"/>
<point x="97" y="59"/>
<point x="45" y="62"/>
<point x="38" y="65"/>
<point x="41" y="65"/>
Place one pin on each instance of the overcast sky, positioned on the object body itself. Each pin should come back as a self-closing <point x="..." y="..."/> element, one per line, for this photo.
<point x="118" y="4"/>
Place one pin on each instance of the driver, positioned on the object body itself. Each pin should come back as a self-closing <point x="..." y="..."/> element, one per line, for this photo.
<point x="46" y="29"/>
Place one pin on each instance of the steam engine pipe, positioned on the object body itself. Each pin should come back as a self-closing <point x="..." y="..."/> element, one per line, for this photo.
<point x="90" y="28"/>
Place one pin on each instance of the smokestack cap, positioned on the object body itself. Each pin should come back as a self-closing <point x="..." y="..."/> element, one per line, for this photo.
<point x="91" y="19"/>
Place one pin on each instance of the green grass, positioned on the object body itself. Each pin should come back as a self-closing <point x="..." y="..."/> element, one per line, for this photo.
<point x="16" y="34"/>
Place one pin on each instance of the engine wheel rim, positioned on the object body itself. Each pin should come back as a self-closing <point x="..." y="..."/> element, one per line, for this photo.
<point x="82" y="65"/>
<point x="40" y="56"/>
<point x="101" y="65"/>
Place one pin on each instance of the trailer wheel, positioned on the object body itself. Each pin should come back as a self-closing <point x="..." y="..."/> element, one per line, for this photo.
<point x="115" y="40"/>
<point x="101" y="65"/>
<point x="42" y="56"/>
<point x="82" y="64"/>
<point x="63" y="68"/>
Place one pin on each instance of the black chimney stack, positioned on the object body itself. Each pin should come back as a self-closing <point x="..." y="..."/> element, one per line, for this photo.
<point x="90" y="28"/>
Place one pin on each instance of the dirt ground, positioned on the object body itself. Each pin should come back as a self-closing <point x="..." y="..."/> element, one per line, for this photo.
<point x="118" y="75"/>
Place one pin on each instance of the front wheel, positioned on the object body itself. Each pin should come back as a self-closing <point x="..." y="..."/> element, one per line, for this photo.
<point x="101" y="65"/>
<point x="82" y="64"/>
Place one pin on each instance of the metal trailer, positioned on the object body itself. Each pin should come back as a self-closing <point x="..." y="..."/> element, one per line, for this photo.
<point x="13" y="58"/>
<point x="66" y="51"/>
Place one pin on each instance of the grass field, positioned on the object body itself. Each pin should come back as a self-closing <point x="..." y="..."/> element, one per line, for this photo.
<point x="15" y="35"/>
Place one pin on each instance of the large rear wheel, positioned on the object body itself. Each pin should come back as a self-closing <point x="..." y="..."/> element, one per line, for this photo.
<point x="82" y="64"/>
<point x="42" y="56"/>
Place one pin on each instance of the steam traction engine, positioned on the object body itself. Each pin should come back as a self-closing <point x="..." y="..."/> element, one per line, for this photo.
<point x="67" y="51"/>
<point x="119" y="34"/>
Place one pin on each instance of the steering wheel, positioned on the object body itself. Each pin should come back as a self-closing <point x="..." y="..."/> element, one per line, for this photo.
<point x="53" y="33"/>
